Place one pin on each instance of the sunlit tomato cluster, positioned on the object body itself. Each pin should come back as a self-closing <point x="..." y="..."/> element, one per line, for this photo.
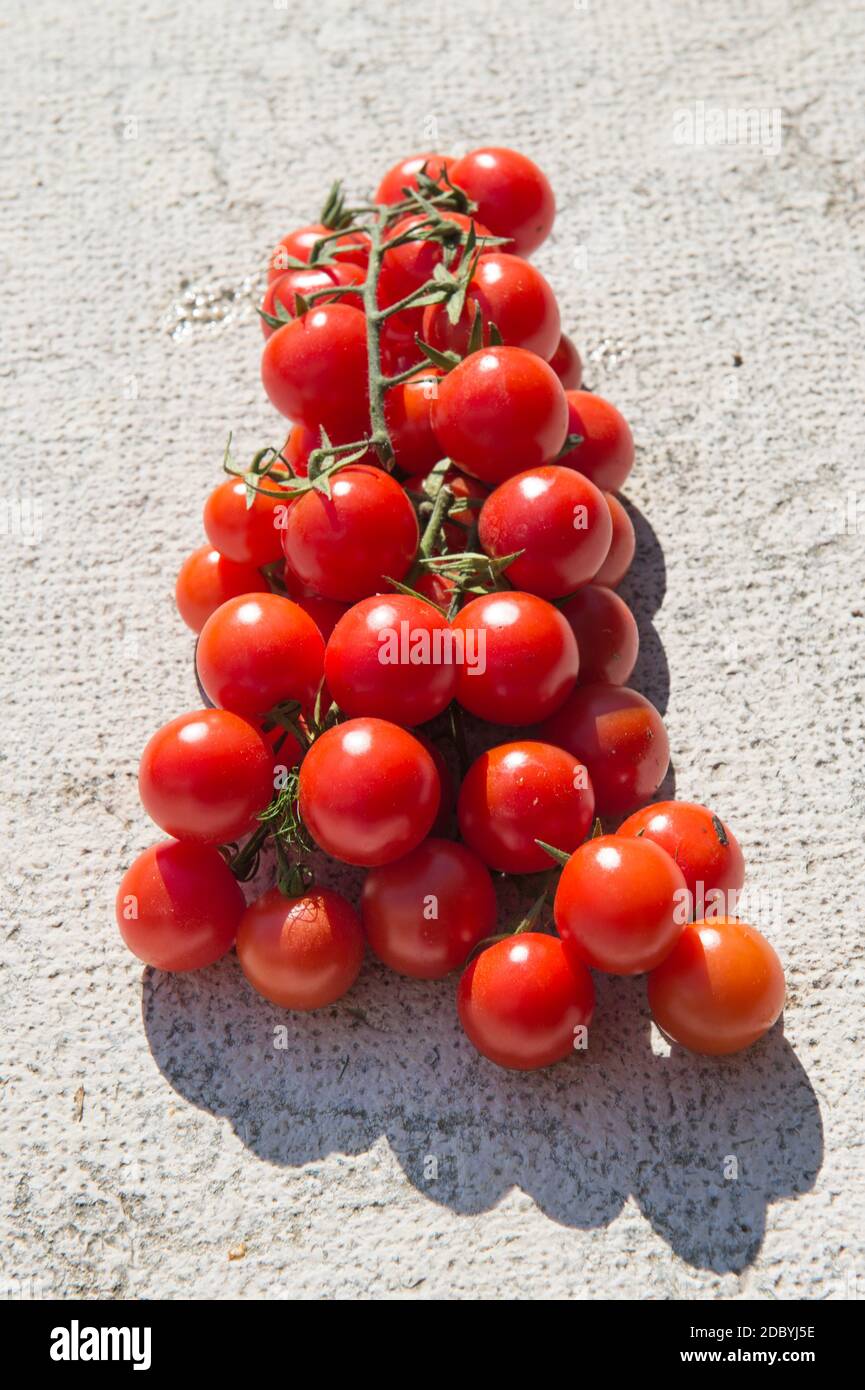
<point x="412" y="658"/>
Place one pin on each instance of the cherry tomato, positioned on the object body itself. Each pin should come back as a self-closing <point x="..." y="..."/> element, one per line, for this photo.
<point x="720" y="988"/>
<point x="511" y="294"/>
<point x="502" y="410"/>
<point x="521" y="1001"/>
<point x="369" y="792"/>
<point x="283" y="289"/>
<point x="392" y="657"/>
<point x="205" y="776"/>
<point x="705" y="850"/>
<point x="423" y="914"/>
<point x="567" y="364"/>
<point x="325" y="612"/>
<point x="179" y="906"/>
<point x="408" y="415"/>
<point x="257" y="651"/>
<point x="513" y="195"/>
<point x="299" y="245"/>
<point x="405" y="268"/>
<point x="248" y="534"/>
<point x="206" y="579"/>
<point x="620" y="737"/>
<point x="435" y="587"/>
<point x="304" y="360"/>
<point x="606" y="454"/>
<point x="301" y="953"/>
<point x="558" y="519"/>
<point x="404" y="175"/>
<point x="520" y="658"/>
<point x="345" y="546"/>
<point x="519" y="793"/>
<point x="299" y="444"/>
<point x="620" y="910"/>
<point x="442" y="824"/>
<point x="623" y="545"/>
<point x="460" y="518"/>
<point x="606" y="633"/>
<point x="398" y="342"/>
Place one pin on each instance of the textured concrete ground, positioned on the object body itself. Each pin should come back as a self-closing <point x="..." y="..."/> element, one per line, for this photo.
<point x="154" y="1141"/>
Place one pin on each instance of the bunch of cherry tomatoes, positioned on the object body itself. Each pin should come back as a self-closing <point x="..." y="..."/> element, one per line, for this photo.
<point x="431" y="560"/>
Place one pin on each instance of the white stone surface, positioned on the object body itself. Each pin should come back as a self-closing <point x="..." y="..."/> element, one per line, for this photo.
<point x="153" y="1141"/>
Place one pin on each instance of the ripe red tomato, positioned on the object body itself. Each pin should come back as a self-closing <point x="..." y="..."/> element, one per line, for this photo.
<point x="521" y="1001"/>
<point x="423" y="914"/>
<point x="404" y="175"/>
<point x="441" y="826"/>
<point x="408" y="415"/>
<point x="567" y="364"/>
<point x="502" y="410"/>
<point x="398" y="342"/>
<point x="620" y="910"/>
<point x="206" y="579"/>
<point x="304" y="360"/>
<point x="520" y="658"/>
<point x="299" y="444"/>
<point x="299" y="244"/>
<point x="620" y="737"/>
<point x="405" y="268"/>
<point x="345" y="546"/>
<point x="205" y="776"/>
<point x="606" y="633"/>
<point x="283" y="289"/>
<point x="179" y="906"/>
<point x="325" y="612"/>
<point x="513" y="195"/>
<point x="258" y="650"/>
<point x="606" y="454"/>
<point x="510" y="293"/>
<point x="623" y="545"/>
<point x="558" y="519"/>
<point x="521" y="792"/>
<point x="435" y="587"/>
<point x="392" y="657"/>
<point x="248" y="534"/>
<point x="720" y="988"/>
<point x="301" y="953"/>
<point x="369" y="792"/>
<point x="705" y="850"/>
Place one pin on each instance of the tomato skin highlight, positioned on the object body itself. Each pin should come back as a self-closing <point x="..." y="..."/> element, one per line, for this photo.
<point x="207" y="579"/>
<point x="188" y="904"/>
<point x="567" y="364"/>
<point x="404" y="175"/>
<point x="302" y="360"/>
<point x="620" y="737"/>
<point x="501" y="411"/>
<point x="691" y="837"/>
<point x="537" y="512"/>
<point x="257" y="651"/>
<point x="347" y="545"/>
<point x="620" y="910"/>
<point x="398" y="899"/>
<point x="607" y="635"/>
<point x="363" y="678"/>
<point x="510" y="293"/>
<point x="719" y="990"/>
<point x="369" y="792"/>
<point x="301" y="953"/>
<point x="513" y="195"/>
<point x="521" y="999"/>
<point x="623" y="545"/>
<point x="606" y="454"/>
<point x="204" y="777"/>
<point x="521" y="792"/>
<point x="528" y="654"/>
<point x="248" y="535"/>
